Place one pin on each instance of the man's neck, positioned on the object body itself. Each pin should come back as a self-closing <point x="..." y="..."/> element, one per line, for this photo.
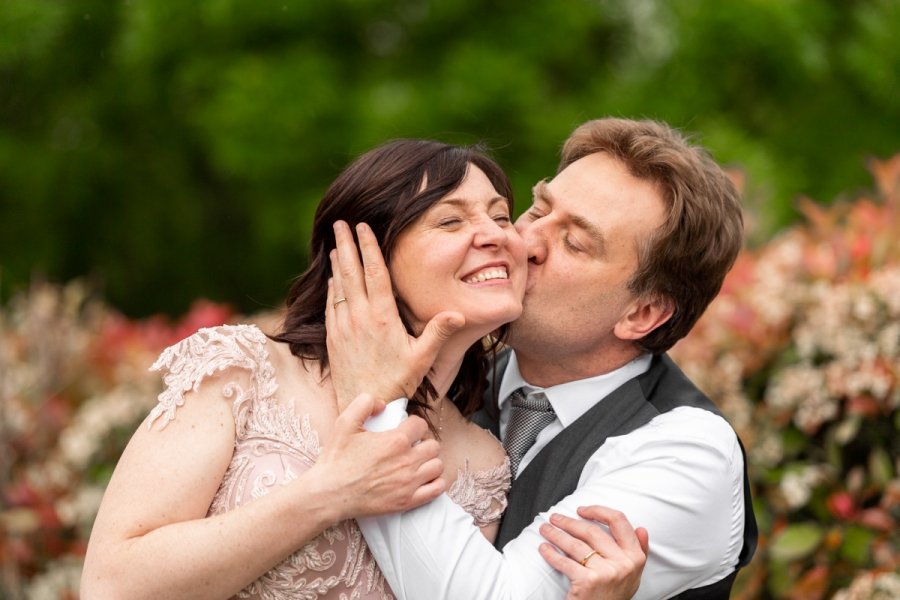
<point x="537" y="370"/>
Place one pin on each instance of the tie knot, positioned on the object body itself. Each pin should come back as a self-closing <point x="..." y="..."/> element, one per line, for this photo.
<point x="536" y="402"/>
<point x="527" y="417"/>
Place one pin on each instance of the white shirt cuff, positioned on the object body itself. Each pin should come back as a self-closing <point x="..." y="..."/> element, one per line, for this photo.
<point x="391" y="417"/>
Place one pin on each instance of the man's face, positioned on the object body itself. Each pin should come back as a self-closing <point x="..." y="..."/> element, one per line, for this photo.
<point x="582" y="235"/>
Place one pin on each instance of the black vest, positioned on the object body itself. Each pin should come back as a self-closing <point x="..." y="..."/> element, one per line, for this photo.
<point x="555" y="471"/>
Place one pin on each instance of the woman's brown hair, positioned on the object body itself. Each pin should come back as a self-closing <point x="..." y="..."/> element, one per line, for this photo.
<point x="384" y="189"/>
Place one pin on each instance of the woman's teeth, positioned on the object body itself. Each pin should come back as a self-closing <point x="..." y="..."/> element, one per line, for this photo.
<point x="488" y="274"/>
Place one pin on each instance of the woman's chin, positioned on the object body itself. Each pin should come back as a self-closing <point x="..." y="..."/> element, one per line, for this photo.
<point x="479" y="325"/>
<point x="482" y="328"/>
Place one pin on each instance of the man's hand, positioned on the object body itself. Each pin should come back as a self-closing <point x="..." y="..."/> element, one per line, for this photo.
<point x="599" y="564"/>
<point x="376" y="473"/>
<point x="369" y="350"/>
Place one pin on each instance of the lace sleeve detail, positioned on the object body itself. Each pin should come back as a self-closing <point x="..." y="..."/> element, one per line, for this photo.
<point x="210" y="350"/>
<point x="482" y="494"/>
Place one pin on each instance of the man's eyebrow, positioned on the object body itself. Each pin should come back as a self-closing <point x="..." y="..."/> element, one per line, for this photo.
<point x="542" y="192"/>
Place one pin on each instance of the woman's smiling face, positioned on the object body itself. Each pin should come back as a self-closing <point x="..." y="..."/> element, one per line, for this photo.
<point x="463" y="254"/>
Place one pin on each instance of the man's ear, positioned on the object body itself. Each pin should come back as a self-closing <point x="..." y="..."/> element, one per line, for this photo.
<point x="643" y="316"/>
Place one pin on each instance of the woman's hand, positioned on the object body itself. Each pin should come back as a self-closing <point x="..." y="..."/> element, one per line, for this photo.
<point x="599" y="563"/>
<point x="369" y="350"/>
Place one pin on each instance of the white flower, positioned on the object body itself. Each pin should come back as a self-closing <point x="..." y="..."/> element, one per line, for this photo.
<point x="797" y="485"/>
<point x="871" y="586"/>
<point x="61" y="579"/>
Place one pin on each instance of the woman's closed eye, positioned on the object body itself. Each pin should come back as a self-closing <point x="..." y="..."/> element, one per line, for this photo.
<point x="449" y="222"/>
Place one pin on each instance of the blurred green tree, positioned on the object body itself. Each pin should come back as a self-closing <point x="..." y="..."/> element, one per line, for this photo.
<point x="170" y="151"/>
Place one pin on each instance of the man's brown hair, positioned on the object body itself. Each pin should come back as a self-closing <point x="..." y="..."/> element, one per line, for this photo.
<point x="685" y="261"/>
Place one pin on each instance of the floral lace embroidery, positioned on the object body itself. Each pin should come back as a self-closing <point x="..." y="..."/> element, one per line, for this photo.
<point x="209" y="350"/>
<point x="482" y="494"/>
<point x="273" y="446"/>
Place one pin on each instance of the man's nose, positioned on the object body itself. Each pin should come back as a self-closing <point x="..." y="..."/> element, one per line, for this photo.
<point x="535" y="239"/>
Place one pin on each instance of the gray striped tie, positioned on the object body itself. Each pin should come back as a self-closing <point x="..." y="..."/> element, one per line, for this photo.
<point x="528" y="416"/>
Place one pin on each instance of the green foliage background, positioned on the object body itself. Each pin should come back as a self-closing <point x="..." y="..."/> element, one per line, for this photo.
<point x="174" y="150"/>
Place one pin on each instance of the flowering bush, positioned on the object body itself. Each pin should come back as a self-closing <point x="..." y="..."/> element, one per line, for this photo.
<point x="802" y="351"/>
<point x="74" y="385"/>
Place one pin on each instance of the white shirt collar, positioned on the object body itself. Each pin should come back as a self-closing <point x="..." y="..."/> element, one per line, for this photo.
<point x="572" y="399"/>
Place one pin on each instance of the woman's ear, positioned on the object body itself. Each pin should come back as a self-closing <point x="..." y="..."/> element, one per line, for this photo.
<point x="643" y="316"/>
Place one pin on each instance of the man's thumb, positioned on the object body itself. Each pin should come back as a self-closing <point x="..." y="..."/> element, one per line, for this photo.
<point x="361" y="408"/>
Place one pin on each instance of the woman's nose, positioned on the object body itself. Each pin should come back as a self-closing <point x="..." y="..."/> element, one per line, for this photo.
<point x="489" y="233"/>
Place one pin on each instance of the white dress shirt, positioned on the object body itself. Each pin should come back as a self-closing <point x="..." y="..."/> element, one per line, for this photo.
<point x="680" y="476"/>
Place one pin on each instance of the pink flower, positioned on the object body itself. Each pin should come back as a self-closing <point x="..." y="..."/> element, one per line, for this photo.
<point x="841" y="505"/>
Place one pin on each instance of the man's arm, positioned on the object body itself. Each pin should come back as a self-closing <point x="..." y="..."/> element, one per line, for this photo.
<point x="438" y="553"/>
<point x="684" y="488"/>
<point x="481" y="571"/>
<point x="673" y="489"/>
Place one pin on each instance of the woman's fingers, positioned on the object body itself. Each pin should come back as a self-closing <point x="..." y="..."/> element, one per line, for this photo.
<point x="377" y="279"/>
<point x="346" y="268"/>
<point x="336" y="287"/>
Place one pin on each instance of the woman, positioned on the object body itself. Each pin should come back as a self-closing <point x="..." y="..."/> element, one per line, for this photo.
<point x="248" y="497"/>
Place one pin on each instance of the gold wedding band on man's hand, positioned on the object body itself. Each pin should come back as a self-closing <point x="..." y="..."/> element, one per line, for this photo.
<point x="338" y="301"/>
<point x="586" y="558"/>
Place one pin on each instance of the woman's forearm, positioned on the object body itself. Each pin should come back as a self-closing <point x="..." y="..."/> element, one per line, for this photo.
<point x="212" y="557"/>
<point x="152" y="542"/>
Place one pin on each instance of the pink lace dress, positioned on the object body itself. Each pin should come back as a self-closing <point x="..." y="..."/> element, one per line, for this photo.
<point x="273" y="446"/>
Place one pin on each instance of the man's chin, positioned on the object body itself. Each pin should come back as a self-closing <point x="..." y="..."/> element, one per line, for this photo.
<point x="516" y="330"/>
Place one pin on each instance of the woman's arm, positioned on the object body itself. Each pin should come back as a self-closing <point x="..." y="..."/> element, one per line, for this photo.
<point x="152" y="539"/>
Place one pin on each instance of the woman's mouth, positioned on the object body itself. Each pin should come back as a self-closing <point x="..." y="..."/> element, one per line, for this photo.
<point x="487" y="274"/>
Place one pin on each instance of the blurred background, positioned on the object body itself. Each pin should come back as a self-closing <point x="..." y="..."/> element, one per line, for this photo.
<point x="160" y="163"/>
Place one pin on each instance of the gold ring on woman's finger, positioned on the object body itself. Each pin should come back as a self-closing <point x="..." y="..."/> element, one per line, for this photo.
<point x="338" y="301"/>
<point x="586" y="558"/>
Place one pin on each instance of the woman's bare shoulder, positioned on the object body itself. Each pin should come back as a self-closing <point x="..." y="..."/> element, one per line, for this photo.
<point x="483" y="450"/>
<point x="228" y="361"/>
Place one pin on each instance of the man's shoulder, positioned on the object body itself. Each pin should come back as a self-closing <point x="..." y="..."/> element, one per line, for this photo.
<point x="678" y="430"/>
<point x="693" y="421"/>
<point x="667" y="387"/>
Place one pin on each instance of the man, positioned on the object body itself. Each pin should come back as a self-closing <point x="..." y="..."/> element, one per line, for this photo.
<point x="627" y="245"/>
